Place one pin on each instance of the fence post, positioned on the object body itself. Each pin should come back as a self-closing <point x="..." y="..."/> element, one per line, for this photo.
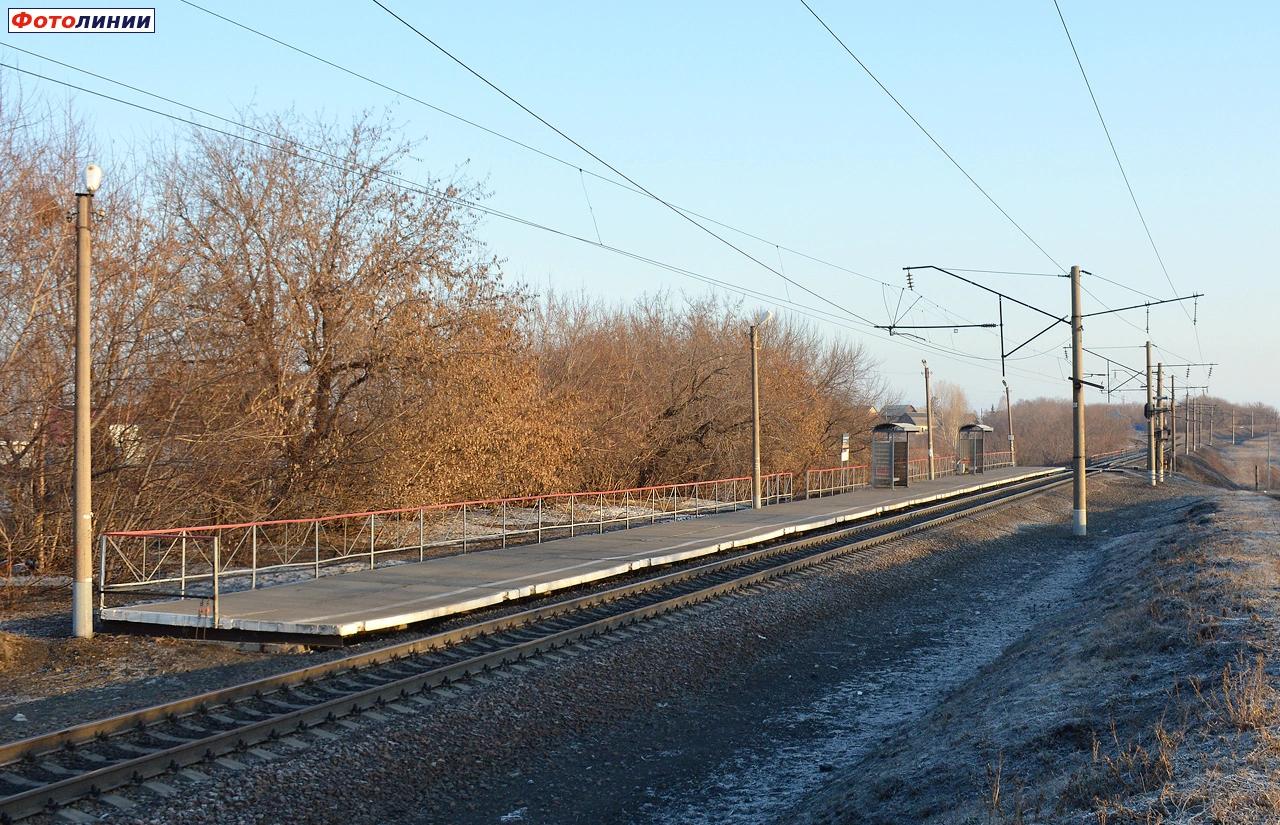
<point x="464" y="528"/>
<point x="540" y="521"/>
<point x="182" y="569"/>
<point x="571" y="497"/>
<point x="253" y="573"/>
<point x="317" y="546"/>
<point x="504" y="524"/>
<point x="600" y="512"/>
<point x="371" y="541"/>
<point x="653" y="505"/>
<point x="627" y="504"/>
<point x="217" y="561"/>
<point x="421" y="536"/>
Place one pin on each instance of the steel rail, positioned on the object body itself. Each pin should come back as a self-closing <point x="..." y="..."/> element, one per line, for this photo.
<point x="825" y="546"/>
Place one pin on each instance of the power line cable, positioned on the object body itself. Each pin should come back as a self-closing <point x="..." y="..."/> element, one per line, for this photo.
<point x="610" y="166"/>
<point x="1119" y="164"/>
<point x="515" y="141"/>
<point x="927" y="134"/>
<point x="241" y="125"/>
<point x="292" y="148"/>
<point x="547" y="155"/>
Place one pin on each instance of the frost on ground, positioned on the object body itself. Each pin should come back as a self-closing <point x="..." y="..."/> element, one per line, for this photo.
<point x="1152" y="701"/>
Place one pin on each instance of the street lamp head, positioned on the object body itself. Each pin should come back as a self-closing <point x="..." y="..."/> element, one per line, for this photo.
<point x="92" y="179"/>
<point x="762" y="318"/>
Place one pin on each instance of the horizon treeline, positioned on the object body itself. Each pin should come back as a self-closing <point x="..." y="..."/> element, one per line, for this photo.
<point x="280" y="328"/>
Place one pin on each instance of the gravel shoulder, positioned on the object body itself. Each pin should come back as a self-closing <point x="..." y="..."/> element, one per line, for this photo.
<point x="744" y="710"/>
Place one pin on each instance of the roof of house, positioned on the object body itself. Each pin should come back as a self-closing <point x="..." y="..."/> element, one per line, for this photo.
<point x="892" y="411"/>
<point x="913" y="416"/>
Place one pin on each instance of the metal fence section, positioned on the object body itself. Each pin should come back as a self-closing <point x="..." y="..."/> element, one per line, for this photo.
<point x="943" y="465"/>
<point x="993" y="461"/>
<point x="829" y="481"/>
<point x="203" y="561"/>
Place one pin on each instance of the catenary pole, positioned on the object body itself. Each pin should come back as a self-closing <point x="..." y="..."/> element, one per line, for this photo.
<point x="1159" y="420"/>
<point x="1186" y="422"/>
<point x="1080" y="502"/>
<point x="1151" y="429"/>
<point x="1008" y="404"/>
<point x="928" y="416"/>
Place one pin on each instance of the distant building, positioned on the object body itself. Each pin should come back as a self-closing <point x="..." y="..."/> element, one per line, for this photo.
<point x="905" y="414"/>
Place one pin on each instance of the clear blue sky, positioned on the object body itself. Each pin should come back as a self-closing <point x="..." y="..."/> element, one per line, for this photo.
<point x="751" y="114"/>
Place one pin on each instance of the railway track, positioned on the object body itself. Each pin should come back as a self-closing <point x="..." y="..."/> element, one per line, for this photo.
<point x="43" y="773"/>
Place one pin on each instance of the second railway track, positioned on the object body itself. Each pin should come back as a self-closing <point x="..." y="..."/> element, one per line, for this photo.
<point x="51" y="770"/>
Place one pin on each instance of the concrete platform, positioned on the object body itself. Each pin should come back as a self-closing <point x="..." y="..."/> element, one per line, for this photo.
<point x="346" y="605"/>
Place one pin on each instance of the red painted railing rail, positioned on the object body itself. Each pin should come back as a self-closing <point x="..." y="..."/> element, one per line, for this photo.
<point x="203" y="560"/>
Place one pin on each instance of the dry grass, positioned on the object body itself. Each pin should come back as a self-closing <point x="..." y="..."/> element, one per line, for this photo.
<point x="1003" y="809"/>
<point x="1248" y="700"/>
<point x="1123" y="770"/>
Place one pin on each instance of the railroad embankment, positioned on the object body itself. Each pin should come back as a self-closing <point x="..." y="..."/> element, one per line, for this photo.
<point x="1153" y="699"/>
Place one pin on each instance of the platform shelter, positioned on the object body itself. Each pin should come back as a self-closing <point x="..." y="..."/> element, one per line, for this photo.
<point x="971" y="448"/>
<point x="891" y="454"/>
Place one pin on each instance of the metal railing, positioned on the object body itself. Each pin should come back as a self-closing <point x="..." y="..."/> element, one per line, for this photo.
<point x="994" y="461"/>
<point x="203" y="561"/>
<point x="943" y="465"/>
<point x="829" y="481"/>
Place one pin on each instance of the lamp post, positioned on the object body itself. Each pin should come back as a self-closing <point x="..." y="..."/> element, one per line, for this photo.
<point x="82" y="581"/>
<point x="760" y="321"/>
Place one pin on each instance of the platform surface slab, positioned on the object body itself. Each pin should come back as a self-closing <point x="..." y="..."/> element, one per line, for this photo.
<point x="347" y="604"/>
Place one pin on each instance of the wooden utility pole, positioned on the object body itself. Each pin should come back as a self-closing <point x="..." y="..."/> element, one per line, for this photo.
<point x="82" y="525"/>
<point x="1079" y="526"/>
<point x="1173" y="422"/>
<point x="928" y="416"/>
